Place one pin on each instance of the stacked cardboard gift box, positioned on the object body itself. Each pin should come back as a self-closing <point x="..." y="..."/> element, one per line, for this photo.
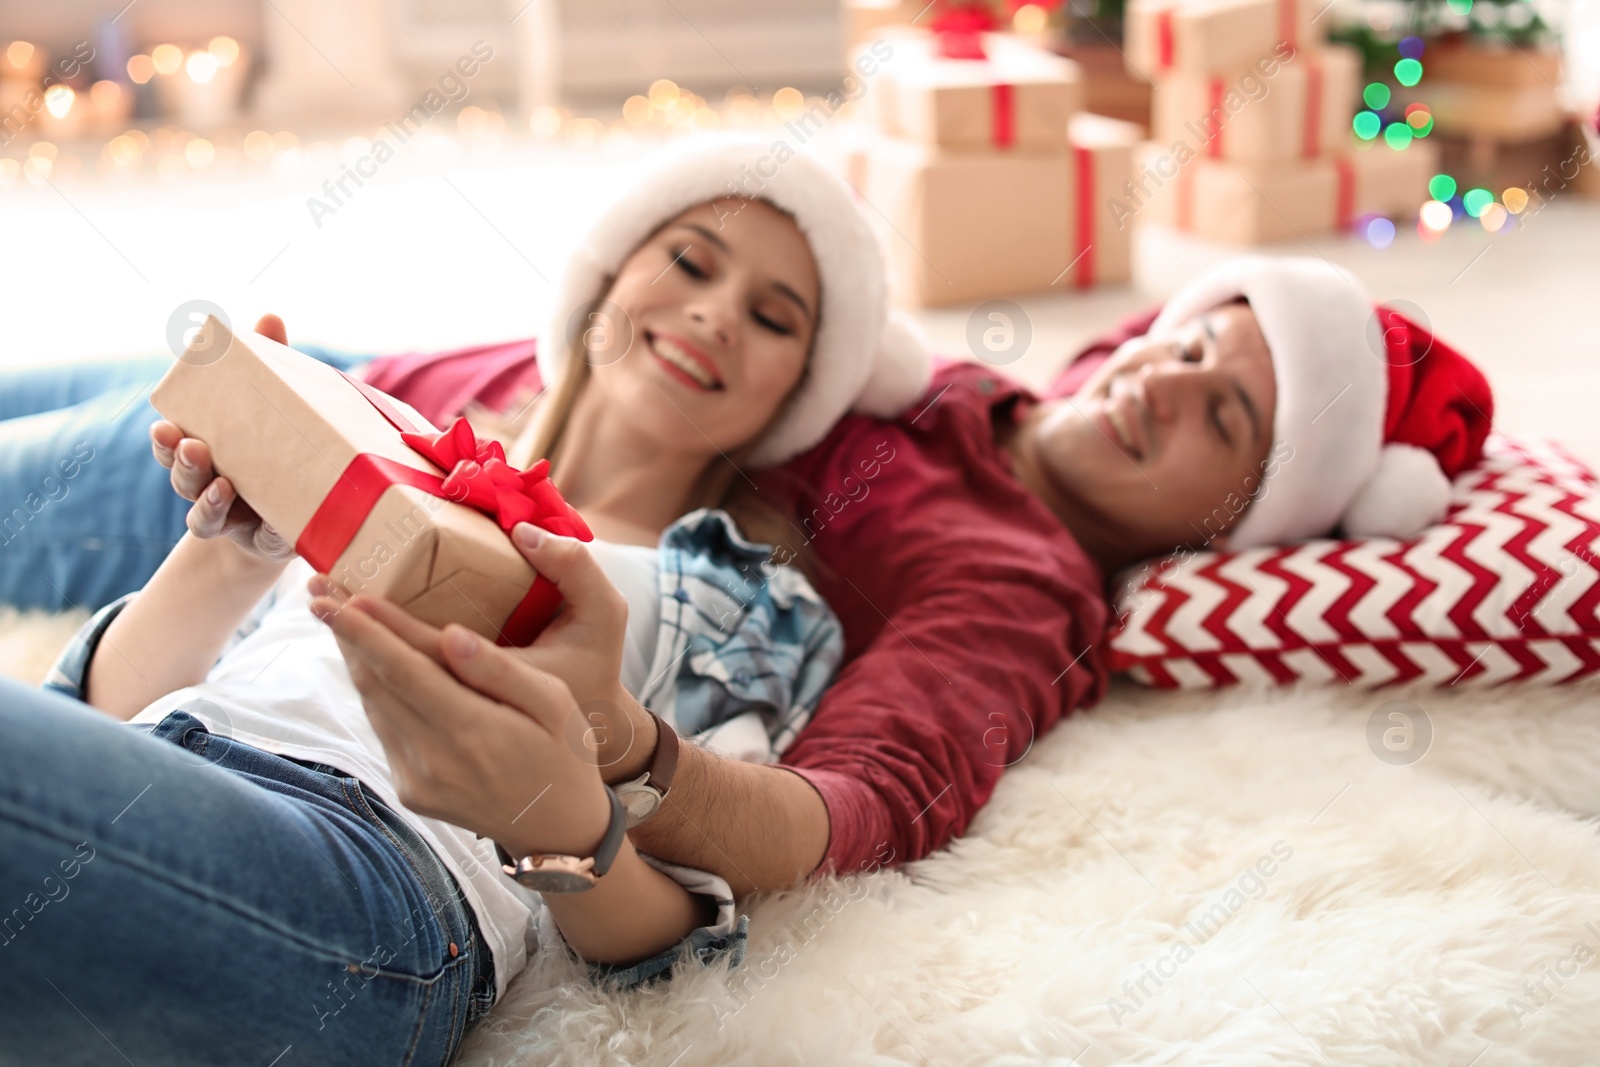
<point x="989" y="178"/>
<point x="1251" y="139"/>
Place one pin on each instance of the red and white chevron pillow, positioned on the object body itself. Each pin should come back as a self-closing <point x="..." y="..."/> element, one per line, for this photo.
<point x="1506" y="588"/>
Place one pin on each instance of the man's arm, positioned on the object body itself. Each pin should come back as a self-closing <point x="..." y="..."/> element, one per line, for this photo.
<point x="757" y="826"/>
<point x="976" y="621"/>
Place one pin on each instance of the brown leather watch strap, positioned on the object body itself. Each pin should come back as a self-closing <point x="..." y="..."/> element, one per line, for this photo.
<point x="665" y="763"/>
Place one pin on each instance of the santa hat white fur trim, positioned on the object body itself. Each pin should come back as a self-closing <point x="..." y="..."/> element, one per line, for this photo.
<point x="1332" y="387"/>
<point x="862" y="358"/>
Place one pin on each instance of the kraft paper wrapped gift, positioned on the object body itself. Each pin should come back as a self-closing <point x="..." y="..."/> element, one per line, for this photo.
<point x="968" y="226"/>
<point x="1233" y="202"/>
<point x="1019" y="97"/>
<point x="317" y="457"/>
<point x="1512" y="114"/>
<point x="1102" y="155"/>
<point x="1277" y="109"/>
<point x="1204" y="37"/>
<point x="1374" y="179"/>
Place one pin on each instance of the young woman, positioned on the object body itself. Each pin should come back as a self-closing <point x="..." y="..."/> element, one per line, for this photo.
<point x="270" y="887"/>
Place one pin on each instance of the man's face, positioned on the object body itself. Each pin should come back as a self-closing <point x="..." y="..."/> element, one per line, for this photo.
<point x="1165" y="445"/>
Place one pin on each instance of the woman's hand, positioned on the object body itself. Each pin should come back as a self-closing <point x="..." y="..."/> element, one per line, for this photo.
<point x="474" y="734"/>
<point x="217" y="511"/>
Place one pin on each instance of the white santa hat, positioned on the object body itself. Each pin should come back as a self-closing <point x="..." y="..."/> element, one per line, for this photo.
<point x="1378" y="414"/>
<point x="865" y="357"/>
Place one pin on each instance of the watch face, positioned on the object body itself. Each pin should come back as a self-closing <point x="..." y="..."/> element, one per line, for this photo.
<point x="559" y="874"/>
<point x="639" y="803"/>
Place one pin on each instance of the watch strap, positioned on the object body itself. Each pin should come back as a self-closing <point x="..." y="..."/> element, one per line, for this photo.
<point x="664" y="764"/>
<point x="527" y="870"/>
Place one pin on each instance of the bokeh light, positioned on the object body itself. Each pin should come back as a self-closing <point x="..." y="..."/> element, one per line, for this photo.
<point x="636" y="110"/>
<point x="19" y="54"/>
<point x="167" y="58"/>
<point x="1376" y="95"/>
<point x="1515" y="200"/>
<point x="1418" y="119"/>
<point x="1366" y="124"/>
<point x="1476" y="200"/>
<point x="663" y="91"/>
<point x="788" y="102"/>
<point x="1408" y="72"/>
<point x="1398" y="135"/>
<point x="199" y="152"/>
<point x="1411" y="47"/>
<point x="224" y="49"/>
<point x="545" y="121"/>
<point x="1460" y="7"/>
<point x="140" y="69"/>
<point x="1441" y="187"/>
<point x="257" y="145"/>
<point x="1380" y="232"/>
<point x="58" y="100"/>
<point x="1030" y="19"/>
<point x="1494" y="218"/>
<point x="1436" y="216"/>
<point x="202" y="67"/>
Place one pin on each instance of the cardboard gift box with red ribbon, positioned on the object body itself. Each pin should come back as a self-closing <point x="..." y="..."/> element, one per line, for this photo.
<point x="1257" y="203"/>
<point x="1204" y="37"/>
<point x="970" y="226"/>
<point x="371" y="494"/>
<point x="1102" y="159"/>
<point x="973" y="226"/>
<point x="1297" y="108"/>
<point x="1011" y="96"/>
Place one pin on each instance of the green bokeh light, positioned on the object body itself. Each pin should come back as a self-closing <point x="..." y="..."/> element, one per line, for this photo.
<point x="1425" y="129"/>
<point x="1398" y="135"/>
<point x="1408" y="72"/>
<point x="1476" y="201"/>
<point x="1441" y="187"/>
<point x="1367" y="124"/>
<point x="1460" y="7"/>
<point x="1376" y="95"/>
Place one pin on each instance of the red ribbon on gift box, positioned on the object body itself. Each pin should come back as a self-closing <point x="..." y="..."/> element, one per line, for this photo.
<point x="1086" y="201"/>
<point x="1344" y="205"/>
<point x="477" y="476"/>
<point x="1312" y="142"/>
<point x="1164" y="44"/>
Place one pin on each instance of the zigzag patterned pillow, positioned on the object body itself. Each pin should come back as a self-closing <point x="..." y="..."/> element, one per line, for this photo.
<point x="1506" y="588"/>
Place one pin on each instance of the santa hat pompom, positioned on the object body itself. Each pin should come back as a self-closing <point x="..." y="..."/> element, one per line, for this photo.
<point x="903" y="370"/>
<point x="1406" y="494"/>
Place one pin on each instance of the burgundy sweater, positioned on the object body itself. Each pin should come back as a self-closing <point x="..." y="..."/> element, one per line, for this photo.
<point x="973" y="620"/>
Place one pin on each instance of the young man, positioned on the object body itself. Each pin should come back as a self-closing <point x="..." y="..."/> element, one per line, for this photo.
<point x="966" y="546"/>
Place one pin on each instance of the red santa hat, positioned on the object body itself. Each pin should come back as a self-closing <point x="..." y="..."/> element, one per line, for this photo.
<point x="866" y="356"/>
<point x="1374" y="416"/>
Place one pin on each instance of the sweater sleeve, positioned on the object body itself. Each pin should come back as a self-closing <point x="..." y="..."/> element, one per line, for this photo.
<point x="974" y="621"/>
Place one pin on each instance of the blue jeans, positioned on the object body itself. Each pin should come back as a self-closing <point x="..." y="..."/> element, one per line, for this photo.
<point x="86" y="513"/>
<point x="171" y="896"/>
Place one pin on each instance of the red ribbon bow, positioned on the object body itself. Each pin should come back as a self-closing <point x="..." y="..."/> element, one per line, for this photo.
<point x="480" y="478"/>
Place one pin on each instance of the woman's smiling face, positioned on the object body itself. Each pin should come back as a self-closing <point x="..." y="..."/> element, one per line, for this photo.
<point x="722" y="303"/>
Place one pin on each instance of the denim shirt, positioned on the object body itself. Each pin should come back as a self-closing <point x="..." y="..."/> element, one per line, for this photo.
<point x="744" y="652"/>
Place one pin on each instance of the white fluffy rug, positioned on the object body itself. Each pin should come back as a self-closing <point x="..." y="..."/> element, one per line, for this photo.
<point x="1195" y="879"/>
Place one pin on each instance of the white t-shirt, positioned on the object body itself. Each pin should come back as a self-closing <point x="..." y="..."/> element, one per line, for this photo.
<point x="285" y="689"/>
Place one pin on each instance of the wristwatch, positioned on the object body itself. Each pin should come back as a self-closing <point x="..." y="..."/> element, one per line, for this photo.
<point x="554" y="873"/>
<point x="644" y="794"/>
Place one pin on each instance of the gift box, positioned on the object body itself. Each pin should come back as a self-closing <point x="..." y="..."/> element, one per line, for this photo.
<point x="1102" y="157"/>
<point x="1298" y="108"/>
<point x="1204" y="37"/>
<point x="965" y="227"/>
<point x="1235" y="202"/>
<point x="866" y="20"/>
<point x="1524" y="113"/>
<point x="1374" y="179"/>
<point x="370" y="493"/>
<point x="1017" y="97"/>
<point x="1506" y="66"/>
